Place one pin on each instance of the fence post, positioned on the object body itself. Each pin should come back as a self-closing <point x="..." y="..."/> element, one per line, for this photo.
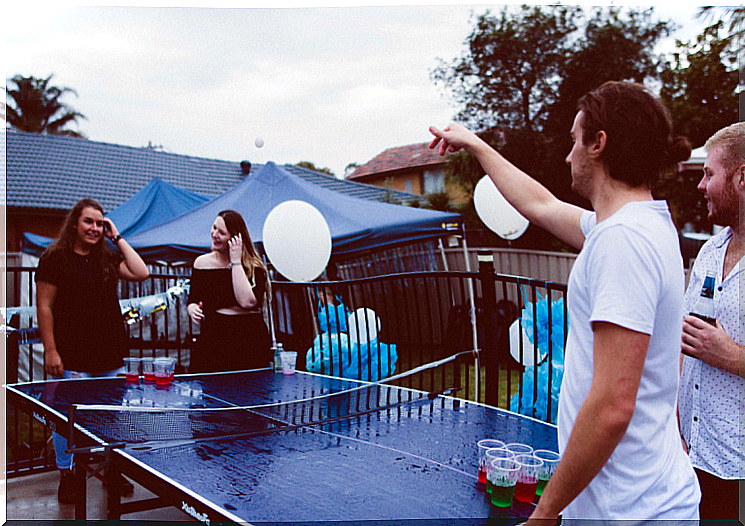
<point x="489" y="327"/>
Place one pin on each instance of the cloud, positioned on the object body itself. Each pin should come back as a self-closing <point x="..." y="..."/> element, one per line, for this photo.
<point x="328" y="85"/>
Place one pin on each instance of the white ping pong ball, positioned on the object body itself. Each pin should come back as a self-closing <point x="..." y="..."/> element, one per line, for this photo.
<point x="259" y="142"/>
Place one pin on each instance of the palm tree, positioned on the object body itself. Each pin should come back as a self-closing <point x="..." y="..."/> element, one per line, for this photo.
<point x="35" y="106"/>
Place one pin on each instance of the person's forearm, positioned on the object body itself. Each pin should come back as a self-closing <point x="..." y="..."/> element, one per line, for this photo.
<point x="135" y="265"/>
<point x="737" y="364"/>
<point x="524" y="193"/>
<point x="596" y="433"/>
<point x="529" y="197"/>
<point x="46" y="328"/>
<point x="242" y="290"/>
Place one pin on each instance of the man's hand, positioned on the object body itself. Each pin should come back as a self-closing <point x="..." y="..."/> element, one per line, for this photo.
<point x="453" y="138"/>
<point x="710" y="344"/>
<point x="534" y="521"/>
<point x="196" y="311"/>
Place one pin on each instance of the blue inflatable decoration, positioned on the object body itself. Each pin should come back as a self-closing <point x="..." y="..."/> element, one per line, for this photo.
<point x="527" y="404"/>
<point x="333" y="353"/>
<point x="332" y="318"/>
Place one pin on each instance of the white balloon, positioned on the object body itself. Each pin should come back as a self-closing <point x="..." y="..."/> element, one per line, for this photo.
<point x="528" y="358"/>
<point x="259" y="142"/>
<point x="363" y="325"/>
<point x="297" y="240"/>
<point x="496" y="213"/>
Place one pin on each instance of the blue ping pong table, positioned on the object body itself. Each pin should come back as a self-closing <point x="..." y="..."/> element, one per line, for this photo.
<point x="402" y="463"/>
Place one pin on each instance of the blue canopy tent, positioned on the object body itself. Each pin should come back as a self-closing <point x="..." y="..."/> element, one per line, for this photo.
<point x="156" y="203"/>
<point x="356" y="224"/>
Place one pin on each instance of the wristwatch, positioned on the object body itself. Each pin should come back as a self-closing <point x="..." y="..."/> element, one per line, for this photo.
<point x="116" y="239"/>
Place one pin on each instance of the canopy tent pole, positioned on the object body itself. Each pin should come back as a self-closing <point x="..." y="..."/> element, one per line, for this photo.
<point x="269" y="306"/>
<point x="477" y="364"/>
<point x="442" y="253"/>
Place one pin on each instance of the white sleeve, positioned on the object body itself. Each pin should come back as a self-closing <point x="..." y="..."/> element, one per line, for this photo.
<point x="626" y="277"/>
<point x="587" y="221"/>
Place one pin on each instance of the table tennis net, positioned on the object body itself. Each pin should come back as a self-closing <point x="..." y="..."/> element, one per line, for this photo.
<point x="143" y="425"/>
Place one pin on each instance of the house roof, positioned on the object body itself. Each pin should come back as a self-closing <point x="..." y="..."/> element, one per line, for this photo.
<point x="398" y="158"/>
<point x="53" y="172"/>
<point x="695" y="161"/>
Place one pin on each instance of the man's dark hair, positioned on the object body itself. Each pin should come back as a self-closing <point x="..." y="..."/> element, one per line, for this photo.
<point x="639" y="148"/>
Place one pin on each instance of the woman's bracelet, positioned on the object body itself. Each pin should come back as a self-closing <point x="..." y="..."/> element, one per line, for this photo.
<point x="231" y="264"/>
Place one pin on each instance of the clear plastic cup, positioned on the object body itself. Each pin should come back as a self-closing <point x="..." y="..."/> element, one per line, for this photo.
<point x="527" y="482"/>
<point x="148" y="369"/>
<point x="164" y="370"/>
<point x="132" y="369"/>
<point x="483" y="447"/>
<point x="289" y="358"/>
<point x="519" y="449"/>
<point x="493" y="454"/>
<point x="550" y="462"/>
<point x="503" y="474"/>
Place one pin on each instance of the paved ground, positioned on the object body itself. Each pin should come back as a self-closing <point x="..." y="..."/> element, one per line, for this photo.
<point x="35" y="497"/>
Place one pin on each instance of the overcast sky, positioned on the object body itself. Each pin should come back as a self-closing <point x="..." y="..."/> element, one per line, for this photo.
<point x="329" y="85"/>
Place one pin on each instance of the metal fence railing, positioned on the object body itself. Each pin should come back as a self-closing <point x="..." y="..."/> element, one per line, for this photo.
<point x="419" y="317"/>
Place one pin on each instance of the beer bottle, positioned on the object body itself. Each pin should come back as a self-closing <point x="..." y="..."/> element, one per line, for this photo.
<point x="704" y="306"/>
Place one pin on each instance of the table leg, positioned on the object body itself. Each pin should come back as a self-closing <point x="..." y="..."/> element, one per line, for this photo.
<point x="114" y="490"/>
<point x="81" y="490"/>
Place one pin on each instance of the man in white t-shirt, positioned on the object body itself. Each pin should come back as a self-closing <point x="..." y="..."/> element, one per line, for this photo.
<point x="621" y="453"/>
<point x="712" y="387"/>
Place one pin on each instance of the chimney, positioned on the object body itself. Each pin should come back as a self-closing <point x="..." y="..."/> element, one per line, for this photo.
<point x="245" y="168"/>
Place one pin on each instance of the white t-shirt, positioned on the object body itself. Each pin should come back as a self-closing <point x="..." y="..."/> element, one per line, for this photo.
<point x="630" y="273"/>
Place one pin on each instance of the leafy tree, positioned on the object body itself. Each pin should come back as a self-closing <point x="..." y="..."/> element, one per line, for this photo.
<point x="438" y="201"/>
<point x="615" y="45"/>
<point x="612" y="44"/>
<point x="736" y="25"/>
<point x="510" y="69"/>
<point x="521" y="89"/>
<point x="700" y="86"/>
<point x="35" y="106"/>
<point x="350" y="168"/>
<point x="310" y="166"/>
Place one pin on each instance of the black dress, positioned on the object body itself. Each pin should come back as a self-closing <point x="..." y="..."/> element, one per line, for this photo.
<point x="89" y="330"/>
<point x="228" y="342"/>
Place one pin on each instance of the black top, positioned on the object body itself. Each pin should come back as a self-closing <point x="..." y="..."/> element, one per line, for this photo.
<point x="214" y="288"/>
<point x="88" y="325"/>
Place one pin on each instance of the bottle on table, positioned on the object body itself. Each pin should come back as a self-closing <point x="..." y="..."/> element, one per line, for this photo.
<point x="278" y="358"/>
<point x="704" y="307"/>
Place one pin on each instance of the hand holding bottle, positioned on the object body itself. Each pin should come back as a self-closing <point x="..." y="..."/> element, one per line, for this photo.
<point x="710" y="343"/>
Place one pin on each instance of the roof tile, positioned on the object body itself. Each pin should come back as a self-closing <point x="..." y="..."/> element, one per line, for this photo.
<point x="54" y="172"/>
<point x="400" y="157"/>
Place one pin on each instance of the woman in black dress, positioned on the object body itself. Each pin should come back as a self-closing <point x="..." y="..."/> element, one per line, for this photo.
<point x="228" y="286"/>
<point x="77" y="305"/>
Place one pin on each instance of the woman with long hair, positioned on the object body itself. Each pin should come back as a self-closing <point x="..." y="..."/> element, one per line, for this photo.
<point x="226" y="296"/>
<point x="77" y="305"/>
